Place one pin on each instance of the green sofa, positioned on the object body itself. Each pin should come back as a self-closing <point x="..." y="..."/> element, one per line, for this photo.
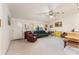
<point x="40" y="34"/>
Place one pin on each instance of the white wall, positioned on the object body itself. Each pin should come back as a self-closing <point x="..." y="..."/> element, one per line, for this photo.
<point x="0" y="27"/>
<point x="5" y="28"/>
<point x="68" y="23"/>
<point x="76" y="17"/>
<point x="18" y="27"/>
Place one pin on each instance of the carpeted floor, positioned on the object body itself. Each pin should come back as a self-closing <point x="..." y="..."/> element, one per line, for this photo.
<point x="43" y="46"/>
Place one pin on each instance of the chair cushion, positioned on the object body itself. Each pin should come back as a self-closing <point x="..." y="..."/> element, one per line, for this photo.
<point x="57" y="34"/>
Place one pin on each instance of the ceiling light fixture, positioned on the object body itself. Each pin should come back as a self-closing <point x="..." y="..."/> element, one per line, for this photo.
<point x="51" y="16"/>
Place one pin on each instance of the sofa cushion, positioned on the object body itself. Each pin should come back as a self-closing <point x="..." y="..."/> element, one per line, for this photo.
<point x="40" y="33"/>
<point x="57" y="33"/>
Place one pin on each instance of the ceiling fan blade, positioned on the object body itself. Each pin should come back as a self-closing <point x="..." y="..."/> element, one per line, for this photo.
<point x="52" y="6"/>
<point x="49" y="8"/>
<point x="43" y="12"/>
<point x="46" y="13"/>
<point x="62" y="12"/>
<point x="57" y="12"/>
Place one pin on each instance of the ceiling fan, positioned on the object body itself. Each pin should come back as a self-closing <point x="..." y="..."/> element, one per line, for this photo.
<point x="51" y="12"/>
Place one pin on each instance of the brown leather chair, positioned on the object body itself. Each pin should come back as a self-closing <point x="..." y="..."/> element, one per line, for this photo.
<point x="30" y="36"/>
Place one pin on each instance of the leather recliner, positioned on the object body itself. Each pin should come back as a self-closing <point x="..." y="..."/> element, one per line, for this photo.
<point x="30" y="36"/>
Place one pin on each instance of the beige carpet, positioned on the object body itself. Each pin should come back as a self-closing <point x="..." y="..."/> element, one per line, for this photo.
<point x="43" y="46"/>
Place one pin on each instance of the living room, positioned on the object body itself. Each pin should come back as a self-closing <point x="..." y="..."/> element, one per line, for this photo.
<point x="46" y="21"/>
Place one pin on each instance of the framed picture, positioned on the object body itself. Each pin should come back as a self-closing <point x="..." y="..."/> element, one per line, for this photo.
<point x="51" y="26"/>
<point x="9" y="21"/>
<point x="0" y="22"/>
<point x="58" y="24"/>
<point x="46" y="27"/>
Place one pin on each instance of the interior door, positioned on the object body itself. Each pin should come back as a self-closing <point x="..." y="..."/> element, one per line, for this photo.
<point x="17" y="30"/>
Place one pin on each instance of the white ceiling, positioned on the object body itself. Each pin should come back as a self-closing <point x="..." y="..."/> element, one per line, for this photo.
<point x="31" y="11"/>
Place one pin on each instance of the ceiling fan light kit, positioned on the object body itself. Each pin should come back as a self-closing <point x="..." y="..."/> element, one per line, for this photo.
<point x="52" y="13"/>
<point x="51" y="16"/>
